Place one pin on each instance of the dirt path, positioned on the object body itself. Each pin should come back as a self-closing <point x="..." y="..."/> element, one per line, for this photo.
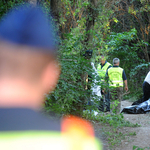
<point x="142" y="138"/>
<point x="142" y="133"/>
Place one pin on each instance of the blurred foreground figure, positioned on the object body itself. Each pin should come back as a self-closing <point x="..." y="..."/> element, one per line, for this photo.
<point x="28" y="69"/>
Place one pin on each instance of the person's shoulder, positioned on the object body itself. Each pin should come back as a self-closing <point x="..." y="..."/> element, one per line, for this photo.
<point x="121" y="68"/>
<point x="26" y="119"/>
<point x="98" y="65"/>
<point x="48" y="122"/>
<point x="109" y="63"/>
<point x="109" y="68"/>
<point x="148" y="73"/>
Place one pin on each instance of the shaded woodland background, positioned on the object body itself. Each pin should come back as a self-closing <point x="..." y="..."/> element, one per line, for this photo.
<point x="115" y="28"/>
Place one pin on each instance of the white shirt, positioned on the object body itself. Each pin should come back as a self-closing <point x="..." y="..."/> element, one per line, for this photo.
<point x="147" y="78"/>
<point x="95" y="88"/>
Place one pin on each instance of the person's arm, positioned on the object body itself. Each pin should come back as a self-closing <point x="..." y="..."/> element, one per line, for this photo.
<point x="106" y="75"/>
<point x="126" y="85"/>
<point x="125" y="81"/>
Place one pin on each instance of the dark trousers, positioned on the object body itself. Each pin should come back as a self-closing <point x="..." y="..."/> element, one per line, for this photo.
<point x="105" y="102"/>
<point x="146" y="91"/>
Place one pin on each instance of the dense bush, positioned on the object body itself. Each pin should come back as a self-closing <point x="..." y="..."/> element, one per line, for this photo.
<point x="73" y="89"/>
<point x="5" y="6"/>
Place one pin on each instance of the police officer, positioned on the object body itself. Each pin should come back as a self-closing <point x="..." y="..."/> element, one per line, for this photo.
<point x="102" y="68"/>
<point x="28" y="70"/>
<point x="116" y="77"/>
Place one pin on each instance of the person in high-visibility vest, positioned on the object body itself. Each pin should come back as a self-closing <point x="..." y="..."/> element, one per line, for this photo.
<point x="117" y="79"/>
<point x="102" y="68"/>
<point x="28" y="70"/>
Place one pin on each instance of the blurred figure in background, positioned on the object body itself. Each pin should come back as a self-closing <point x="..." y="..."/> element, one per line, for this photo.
<point x="117" y="79"/>
<point x="102" y="68"/>
<point x="28" y="69"/>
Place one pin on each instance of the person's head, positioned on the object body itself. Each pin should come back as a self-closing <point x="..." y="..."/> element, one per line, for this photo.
<point x="102" y="59"/>
<point x="116" y="61"/>
<point x="28" y="64"/>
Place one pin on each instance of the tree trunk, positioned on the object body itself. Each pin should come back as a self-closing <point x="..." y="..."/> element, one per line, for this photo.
<point x="91" y="19"/>
<point x="54" y="6"/>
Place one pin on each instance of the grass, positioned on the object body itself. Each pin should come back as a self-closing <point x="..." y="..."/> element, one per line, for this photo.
<point x="133" y="99"/>
<point x="114" y="126"/>
<point x="138" y="148"/>
<point x="115" y="120"/>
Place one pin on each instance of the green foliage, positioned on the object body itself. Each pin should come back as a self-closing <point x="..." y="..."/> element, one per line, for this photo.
<point x="138" y="148"/>
<point x="114" y="120"/>
<point x="114" y="126"/>
<point x="137" y="76"/>
<point x="115" y="138"/>
<point x="114" y="105"/>
<point x="71" y="93"/>
<point x="5" y="6"/>
<point x="100" y="31"/>
<point x="69" y="89"/>
<point x="132" y="133"/>
<point x="125" y="46"/>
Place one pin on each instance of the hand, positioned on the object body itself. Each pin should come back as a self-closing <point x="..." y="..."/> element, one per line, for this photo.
<point x="126" y="88"/>
<point x="104" y="90"/>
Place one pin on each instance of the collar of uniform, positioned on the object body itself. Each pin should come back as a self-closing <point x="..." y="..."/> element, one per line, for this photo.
<point x="115" y="66"/>
<point x="15" y="119"/>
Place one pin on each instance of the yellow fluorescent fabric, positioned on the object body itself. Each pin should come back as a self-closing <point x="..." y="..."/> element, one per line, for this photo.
<point x="31" y="140"/>
<point x="115" y="77"/>
<point x="46" y="140"/>
<point x="102" y="71"/>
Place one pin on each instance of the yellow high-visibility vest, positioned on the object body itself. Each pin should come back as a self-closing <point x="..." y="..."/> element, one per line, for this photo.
<point x="102" y="70"/>
<point x="115" y="77"/>
<point x="76" y="134"/>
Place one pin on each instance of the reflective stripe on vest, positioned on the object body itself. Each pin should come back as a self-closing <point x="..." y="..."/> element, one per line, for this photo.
<point x="102" y="70"/>
<point x="40" y="140"/>
<point x="115" y="77"/>
<point x="76" y="134"/>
